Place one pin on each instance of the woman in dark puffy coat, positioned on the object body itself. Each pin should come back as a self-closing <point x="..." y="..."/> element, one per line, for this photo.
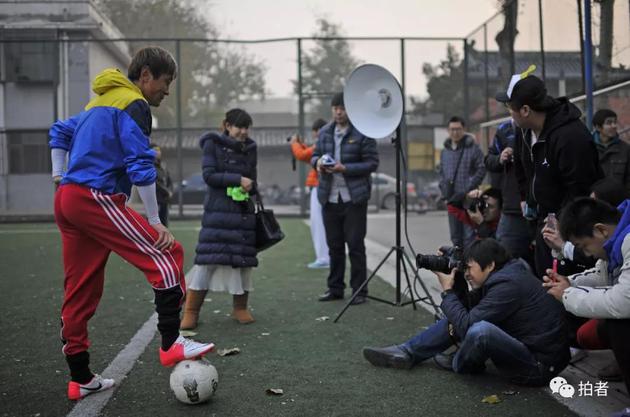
<point x="226" y="252"/>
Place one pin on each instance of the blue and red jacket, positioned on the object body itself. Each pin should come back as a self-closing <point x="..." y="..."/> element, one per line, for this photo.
<point x="108" y="143"/>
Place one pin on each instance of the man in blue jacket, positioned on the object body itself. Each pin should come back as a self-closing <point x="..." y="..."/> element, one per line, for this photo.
<point x="515" y="323"/>
<point x="345" y="159"/>
<point x="107" y="151"/>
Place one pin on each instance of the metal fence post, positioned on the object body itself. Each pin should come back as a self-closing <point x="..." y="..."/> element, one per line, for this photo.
<point x="542" y="40"/>
<point x="301" y="127"/>
<point x="465" y="78"/>
<point x="486" y="82"/>
<point x="588" y="63"/>
<point x="178" y="108"/>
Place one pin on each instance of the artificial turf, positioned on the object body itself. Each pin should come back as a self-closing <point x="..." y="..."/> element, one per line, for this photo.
<point x="317" y="363"/>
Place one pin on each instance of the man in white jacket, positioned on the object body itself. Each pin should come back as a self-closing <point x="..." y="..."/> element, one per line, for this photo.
<point x="602" y="292"/>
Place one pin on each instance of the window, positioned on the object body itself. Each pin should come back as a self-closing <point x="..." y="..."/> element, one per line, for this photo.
<point x="29" y="61"/>
<point x="28" y="152"/>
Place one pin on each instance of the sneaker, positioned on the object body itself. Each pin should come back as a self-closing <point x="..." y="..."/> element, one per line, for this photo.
<point x="77" y="391"/>
<point x="318" y="265"/>
<point x="184" y="349"/>
<point x="577" y="355"/>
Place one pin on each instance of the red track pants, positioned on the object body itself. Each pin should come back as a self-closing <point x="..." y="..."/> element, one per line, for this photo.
<point x="93" y="224"/>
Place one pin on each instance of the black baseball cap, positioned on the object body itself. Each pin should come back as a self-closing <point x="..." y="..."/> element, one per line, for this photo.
<point x="526" y="89"/>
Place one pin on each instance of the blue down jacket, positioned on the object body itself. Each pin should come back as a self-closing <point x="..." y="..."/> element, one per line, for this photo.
<point x="228" y="228"/>
<point x="360" y="156"/>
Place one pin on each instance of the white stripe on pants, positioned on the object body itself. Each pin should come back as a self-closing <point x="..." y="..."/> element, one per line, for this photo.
<point x="318" y="233"/>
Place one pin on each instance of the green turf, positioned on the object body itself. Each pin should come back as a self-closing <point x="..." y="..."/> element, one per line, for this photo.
<point x="318" y="364"/>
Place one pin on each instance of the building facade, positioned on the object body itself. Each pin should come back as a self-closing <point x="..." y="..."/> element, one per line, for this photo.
<point x="49" y="53"/>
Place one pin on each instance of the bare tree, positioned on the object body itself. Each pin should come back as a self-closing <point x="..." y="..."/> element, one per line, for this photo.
<point x="506" y="37"/>
<point x="604" y="57"/>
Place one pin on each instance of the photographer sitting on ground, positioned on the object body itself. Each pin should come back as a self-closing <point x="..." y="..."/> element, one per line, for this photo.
<point x="603" y="292"/>
<point x="515" y="324"/>
<point x="480" y="210"/>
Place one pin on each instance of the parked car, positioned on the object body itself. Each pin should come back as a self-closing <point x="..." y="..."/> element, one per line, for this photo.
<point x="193" y="190"/>
<point x="432" y="195"/>
<point x="384" y="192"/>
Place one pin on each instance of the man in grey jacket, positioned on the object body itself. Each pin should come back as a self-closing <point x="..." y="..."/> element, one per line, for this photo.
<point x="461" y="170"/>
<point x="345" y="159"/>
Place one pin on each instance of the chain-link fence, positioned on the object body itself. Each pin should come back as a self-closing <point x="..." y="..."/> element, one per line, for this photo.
<point x="549" y="34"/>
<point x="284" y="84"/>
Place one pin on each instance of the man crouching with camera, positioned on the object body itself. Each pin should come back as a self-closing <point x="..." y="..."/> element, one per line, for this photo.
<point x="515" y="323"/>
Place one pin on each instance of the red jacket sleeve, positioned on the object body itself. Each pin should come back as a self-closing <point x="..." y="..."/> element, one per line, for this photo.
<point x="460" y="214"/>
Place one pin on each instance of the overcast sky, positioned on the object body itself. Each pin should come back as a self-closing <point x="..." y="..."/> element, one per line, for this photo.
<point x="281" y="18"/>
<point x="259" y="19"/>
<point x="263" y="19"/>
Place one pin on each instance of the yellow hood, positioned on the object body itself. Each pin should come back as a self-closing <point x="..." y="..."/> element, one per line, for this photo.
<point x="113" y="89"/>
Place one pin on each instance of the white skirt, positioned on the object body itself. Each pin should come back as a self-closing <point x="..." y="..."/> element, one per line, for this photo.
<point x="219" y="278"/>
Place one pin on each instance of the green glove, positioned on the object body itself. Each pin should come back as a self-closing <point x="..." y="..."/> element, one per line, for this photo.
<point x="237" y="193"/>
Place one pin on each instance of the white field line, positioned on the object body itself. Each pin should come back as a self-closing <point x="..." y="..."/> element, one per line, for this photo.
<point x="92" y="405"/>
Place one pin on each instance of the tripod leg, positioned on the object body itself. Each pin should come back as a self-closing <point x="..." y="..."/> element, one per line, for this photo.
<point x="413" y="300"/>
<point x="363" y="285"/>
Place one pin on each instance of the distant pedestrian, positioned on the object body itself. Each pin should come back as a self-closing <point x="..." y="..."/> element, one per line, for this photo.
<point x="461" y="170"/>
<point x="614" y="154"/>
<point x="304" y="153"/>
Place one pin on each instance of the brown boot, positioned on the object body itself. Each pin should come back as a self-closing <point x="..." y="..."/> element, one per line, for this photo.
<point x="240" y="312"/>
<point x="194" y="300"/>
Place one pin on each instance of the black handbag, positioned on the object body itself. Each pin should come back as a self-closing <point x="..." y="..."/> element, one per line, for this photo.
<point x="268" y="231"/>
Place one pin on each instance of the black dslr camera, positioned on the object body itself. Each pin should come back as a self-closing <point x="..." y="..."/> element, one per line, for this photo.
<point x="478" y="204"/>
<point x="452" y="258"/>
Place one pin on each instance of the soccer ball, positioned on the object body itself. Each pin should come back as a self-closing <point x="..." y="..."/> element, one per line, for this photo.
<point x="194" y="382"/>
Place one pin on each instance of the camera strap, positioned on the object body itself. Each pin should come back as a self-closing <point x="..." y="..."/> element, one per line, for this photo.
<point x="461" y="155"/>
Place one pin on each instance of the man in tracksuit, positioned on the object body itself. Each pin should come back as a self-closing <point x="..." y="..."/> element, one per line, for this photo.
<point x="555" y="159"/>
<point x="107" y="150"/>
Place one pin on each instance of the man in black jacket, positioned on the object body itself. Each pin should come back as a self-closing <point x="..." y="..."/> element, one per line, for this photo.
<point x="555" y="159"/>
<point x="614" y="154"/>
<point x="345" y="159"/>
<point x="515" y="324"/>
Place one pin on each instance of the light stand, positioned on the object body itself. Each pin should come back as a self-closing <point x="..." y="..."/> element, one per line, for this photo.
<point x="403" y="260"/>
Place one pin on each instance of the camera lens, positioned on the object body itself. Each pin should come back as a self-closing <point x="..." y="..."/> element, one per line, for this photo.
<point x="433" y="263"/>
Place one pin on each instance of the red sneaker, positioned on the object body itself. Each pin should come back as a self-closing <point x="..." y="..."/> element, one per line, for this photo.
<point x="77" y="391"/>
<point x="184" y="349"/>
